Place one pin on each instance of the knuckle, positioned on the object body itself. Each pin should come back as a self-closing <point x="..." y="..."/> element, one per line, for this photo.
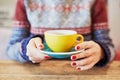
<point x="91" y="41"/>
<point x="87" y="54"/>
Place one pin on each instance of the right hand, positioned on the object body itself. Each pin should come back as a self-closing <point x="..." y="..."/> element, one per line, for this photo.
<point x="33" y="50"/>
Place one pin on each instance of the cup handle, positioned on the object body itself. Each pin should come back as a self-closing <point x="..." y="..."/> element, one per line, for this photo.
<point x="79" y="39"/>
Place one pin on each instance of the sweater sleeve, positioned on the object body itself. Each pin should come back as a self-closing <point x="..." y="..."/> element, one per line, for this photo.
<point x="20" y="31"/>
<point x="101" y="30"/>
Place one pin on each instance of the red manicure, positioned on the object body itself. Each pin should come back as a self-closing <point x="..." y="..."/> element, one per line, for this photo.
<point x="74" y="64"/>
<point x="40" y="46"/>
<point x="73" y="57"/>
<point x="78" y="47"/>
<point x="78" y="68"/>
<point x="46" y="57"/>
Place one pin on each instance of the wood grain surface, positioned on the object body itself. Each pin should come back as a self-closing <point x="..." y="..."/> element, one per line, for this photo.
<point x="56" y="70"/>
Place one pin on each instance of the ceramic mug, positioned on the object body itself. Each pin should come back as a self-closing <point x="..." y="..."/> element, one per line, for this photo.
<point x="62" y="40"/>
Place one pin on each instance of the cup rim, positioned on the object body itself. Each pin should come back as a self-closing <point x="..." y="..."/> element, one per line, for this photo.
<point x="67" y="32"/>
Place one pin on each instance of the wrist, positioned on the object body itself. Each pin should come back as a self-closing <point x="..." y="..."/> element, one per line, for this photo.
<point x="105" y="54"/>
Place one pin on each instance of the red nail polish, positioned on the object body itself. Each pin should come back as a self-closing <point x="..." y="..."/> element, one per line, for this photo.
<point x="74" y="64"/>
<point x="46" y="57"/>
<point x="78" y="47"/>
<point x="73" y="57"/>
<point x="78" y="68"/>
<point x="40" y="46"/>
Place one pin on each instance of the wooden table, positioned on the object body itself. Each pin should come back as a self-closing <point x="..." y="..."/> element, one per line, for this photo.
<point x="56" y="70"/>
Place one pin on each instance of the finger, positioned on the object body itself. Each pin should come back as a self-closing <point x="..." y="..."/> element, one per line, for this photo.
<point x="36" y="61"/>
<point x="84" y="45"/>
<point x="81" y="55"/>
<point x="41" y="55"/>
<point x="28" y="53"/>
<point x="30" y="47"/>
<point x="31" y="44"/>
<point x="86" y="67"/>
<point x="34" y="58"/>
<point x="38" y="43"/>
<point x="31" y="51"/>
<point x="82" y="62"/>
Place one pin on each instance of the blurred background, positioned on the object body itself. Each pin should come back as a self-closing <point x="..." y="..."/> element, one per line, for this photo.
<point x="7" y="11"/>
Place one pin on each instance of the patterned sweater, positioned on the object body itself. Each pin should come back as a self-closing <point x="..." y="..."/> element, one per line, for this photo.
<point x="33" y="17"/>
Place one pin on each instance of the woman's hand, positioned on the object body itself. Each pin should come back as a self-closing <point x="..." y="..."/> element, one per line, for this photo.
<point x="89" y="57"/>
<point x="33" y="50"/>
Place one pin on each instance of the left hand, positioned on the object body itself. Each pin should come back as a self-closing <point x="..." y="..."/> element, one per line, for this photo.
<point x="89" y="57"/>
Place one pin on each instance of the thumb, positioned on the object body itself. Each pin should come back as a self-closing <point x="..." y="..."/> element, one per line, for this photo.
<point x="38" y="42"/>
<point x="84" y="45"/>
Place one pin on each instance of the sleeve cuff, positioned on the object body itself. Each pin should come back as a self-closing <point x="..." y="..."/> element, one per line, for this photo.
<point x="106" y="52"/>
<point x="24" y="44"/>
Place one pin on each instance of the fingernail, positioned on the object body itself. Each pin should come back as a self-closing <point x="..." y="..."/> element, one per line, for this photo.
<point x="78" y="68"/>
<point x="78" y="47"/>
<point x="46" y="57"/>
<point x="40" y="46"/>
<point x="73" y="57"/>
<point x="73" y="64"/>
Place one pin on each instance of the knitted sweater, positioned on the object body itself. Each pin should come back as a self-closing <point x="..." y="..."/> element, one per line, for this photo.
<point x="33" y="17"/>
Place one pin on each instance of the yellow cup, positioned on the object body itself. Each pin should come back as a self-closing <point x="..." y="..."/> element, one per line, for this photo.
<point x="62" y="40"/>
